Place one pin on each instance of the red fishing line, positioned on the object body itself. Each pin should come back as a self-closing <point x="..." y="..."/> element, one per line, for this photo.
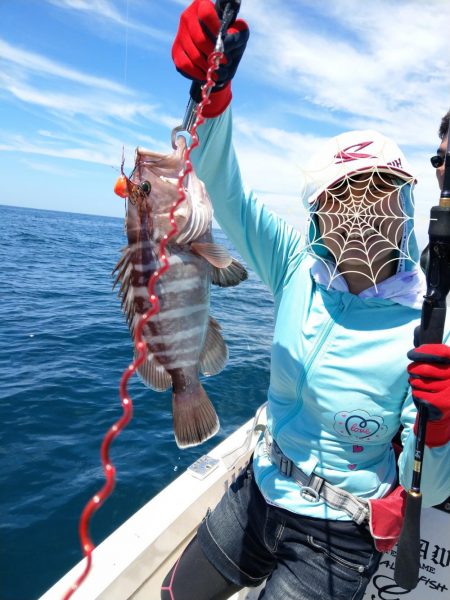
<point x="97" y="500"/>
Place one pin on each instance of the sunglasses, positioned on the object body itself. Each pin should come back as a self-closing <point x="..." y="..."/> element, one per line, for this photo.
<point x="437" y="161"/>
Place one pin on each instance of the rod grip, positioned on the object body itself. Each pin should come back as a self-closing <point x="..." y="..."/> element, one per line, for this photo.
<point x="407" y="562"/>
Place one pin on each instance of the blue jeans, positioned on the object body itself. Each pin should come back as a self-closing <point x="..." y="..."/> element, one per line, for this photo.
<point x="302" y="558"/>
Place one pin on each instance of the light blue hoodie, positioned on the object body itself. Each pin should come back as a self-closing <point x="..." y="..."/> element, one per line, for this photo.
<point x="338" y="387"/>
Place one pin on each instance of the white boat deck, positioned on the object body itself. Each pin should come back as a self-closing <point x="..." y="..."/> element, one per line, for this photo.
<point x="132" y="562"/>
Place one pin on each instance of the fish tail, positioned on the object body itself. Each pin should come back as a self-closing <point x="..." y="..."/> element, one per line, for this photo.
<point x="194" y="417"/>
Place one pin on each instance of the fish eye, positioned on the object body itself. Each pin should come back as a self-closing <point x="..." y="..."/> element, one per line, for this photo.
<point x="146" y="187"/>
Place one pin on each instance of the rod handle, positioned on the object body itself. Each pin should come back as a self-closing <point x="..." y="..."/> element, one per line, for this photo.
<point x="407" y="562"/>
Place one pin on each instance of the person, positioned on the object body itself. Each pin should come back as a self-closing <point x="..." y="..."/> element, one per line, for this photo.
<point x="320" y="499"/>
<point x="437" y="161"/>
<point x="439" y="158"/>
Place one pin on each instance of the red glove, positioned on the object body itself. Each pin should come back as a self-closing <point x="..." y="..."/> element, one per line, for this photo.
<point x="194" y="42"/>
<point x="430" y="382"/>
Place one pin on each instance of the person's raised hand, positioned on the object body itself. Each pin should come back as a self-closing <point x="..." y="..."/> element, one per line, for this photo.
<point x="195" y="40"/>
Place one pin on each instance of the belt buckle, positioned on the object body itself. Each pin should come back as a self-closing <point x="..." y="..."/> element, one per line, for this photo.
<point x="309" y="493"/>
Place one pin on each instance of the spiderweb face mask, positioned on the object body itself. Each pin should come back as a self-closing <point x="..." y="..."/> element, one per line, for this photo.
<point x="362" y="224"/>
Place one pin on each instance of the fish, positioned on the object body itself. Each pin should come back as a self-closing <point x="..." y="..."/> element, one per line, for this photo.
<point x="183" y="340"/>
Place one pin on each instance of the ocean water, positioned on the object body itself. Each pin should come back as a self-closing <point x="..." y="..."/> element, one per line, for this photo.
<point x="63" y="347"/>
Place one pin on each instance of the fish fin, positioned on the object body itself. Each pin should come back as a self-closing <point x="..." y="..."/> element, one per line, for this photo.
<point x="194" y="417"/>
<point x="121" y="266"/>
<point x="123" y="271"/>
<point x="216" y="255"/>
<point x="229" y="276"/>
<point x="154" y="374"/>
<point x="214" y="355"/>
<point x="200" y="212"/>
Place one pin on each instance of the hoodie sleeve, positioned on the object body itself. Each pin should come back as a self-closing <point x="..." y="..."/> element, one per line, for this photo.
<point x="435" y="480"/>
<point x="266" y="242"/>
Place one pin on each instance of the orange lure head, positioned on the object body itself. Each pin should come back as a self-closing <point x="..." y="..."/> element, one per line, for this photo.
<point x="121" y="186"/>
<point x="125" y="188"/>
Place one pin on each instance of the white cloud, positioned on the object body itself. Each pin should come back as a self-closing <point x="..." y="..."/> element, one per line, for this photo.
<point x="37" y="80"/>
<point x="85" y="110"/>
<point x="384" y="67"/>
<point x="352" y="68"/>
<point x="47" y="167"/>
<point x="98" y="146"/>
<point x="271" y="161"/>
<point x="387" y="71"/>
<point x="92" y="105"/>
<point x="107" y="12"/>
<point x="31" y="63"/>
<point x="100" y="155"/>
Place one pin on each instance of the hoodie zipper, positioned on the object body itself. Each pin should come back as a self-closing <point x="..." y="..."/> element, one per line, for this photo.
<point x="326" y="330"/>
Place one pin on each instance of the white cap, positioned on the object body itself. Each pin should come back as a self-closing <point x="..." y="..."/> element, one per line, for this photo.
<point x="350" y="153"/>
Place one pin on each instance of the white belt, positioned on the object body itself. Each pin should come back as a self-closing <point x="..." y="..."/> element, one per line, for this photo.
<point x="313" y="487"/>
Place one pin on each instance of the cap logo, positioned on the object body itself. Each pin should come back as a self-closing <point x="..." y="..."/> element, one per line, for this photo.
<point x="396" y="163"/>
<point x="353" y="153"/>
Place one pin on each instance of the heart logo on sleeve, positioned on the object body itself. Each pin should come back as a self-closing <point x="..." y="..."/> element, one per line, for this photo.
<point x="358" y="425"/>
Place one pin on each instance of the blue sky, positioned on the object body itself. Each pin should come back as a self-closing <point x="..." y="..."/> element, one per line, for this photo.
<point x="79" y="79"/>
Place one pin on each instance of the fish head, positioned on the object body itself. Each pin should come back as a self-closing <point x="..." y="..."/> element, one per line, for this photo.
<point x="154" y="193"/>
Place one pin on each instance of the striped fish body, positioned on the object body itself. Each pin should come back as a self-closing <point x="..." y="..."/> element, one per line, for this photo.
<point x="176" y="335"/>
<point x="182" y="339"/>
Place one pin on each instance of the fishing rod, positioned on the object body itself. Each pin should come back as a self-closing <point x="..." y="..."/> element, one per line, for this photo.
<point x="430" y="331"/>
<point x="227" y="11"/>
